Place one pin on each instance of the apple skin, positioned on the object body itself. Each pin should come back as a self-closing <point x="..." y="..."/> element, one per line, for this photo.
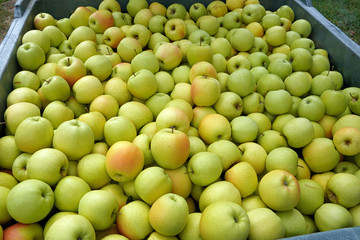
<point x="170" y="142"/>
<point x="119" y="128"/>
<point x="169" y="56"/>
<point x="124" y="161"/>
<point x="35" y="206"/>
<point x="311" y="198"/>
<point x="347" y="141"/>
<point x="224" y="220"/>
<point x="71" y="69"/>
<point x="23" y="231"/>
<point x="279" y="190"/>
<point x="132" y="216"/>
<point x="297" y="136"/>
<point x="17" y="112"/>
<point x="168" y="214"/>
<point x="214" y="127"/>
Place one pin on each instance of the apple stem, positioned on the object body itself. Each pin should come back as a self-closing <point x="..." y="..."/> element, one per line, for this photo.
<point x="2" y="123"/>
<point x="172" y="129"/>
<point x="68" y="61"/>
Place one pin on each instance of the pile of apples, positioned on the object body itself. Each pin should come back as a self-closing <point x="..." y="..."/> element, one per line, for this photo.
<point x="160" y="122"/>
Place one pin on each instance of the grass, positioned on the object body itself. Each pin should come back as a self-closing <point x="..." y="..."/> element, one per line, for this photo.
<point x="343" y="13"/>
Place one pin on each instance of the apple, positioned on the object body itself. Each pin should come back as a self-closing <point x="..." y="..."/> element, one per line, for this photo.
<point x="284" y="158"/>
<point x="173" y="117"/>
<point x="144" y="60"/>
<point x="279" y="190"/>
<point x="291" y="36"/>
<point x="130" y="217"/>
<point x="110" y="5"/>
<point x="30" y="56"/>
<point x="214" y="127"/>
<point x="269" y="82"/>
<point x="8" y="150"/>
<point x="224" y="219"/>
<point x="346" y="166"/>
<point x="229" y="104"/>
<point x="138" y="112"/>
<point x="278" y="102"/>
<point x="205" y="91"/>
<point x="18" y="169"/>
<point x="311" y="107"/>
<point x="335" y="189"/>
<point x="71" y="69"/>
<point x="36" y="130"/>
<point x="157" y="102"/>
<point x="66" y="48"/>
<point x="297" y="84"/>
<point x="311" y="198"/>
<point x="143" y="17"/>
<point x="176" y="10"/>
<point x="157" y="23"/>
<point x="251" y="13"/>
<point x="157" y="8"/>
<point x="169" y="56"/>
<point x="139" y="32"/>
<point x="68" y="192"/>
<point x="119" y="128"/>
<point x="35" y="206"/>
<point x="191" y="230"/>
<point x="197" y="10"/>
<point x="348" y="120"/>
<point x="237" y="62"/>
<point x="80" y="17"/>
<point x="243" y="129"/>
<point x="128" y="48"/>
<point x="117" y="88"/>
<point x="134" y="6"/>
<point x="299" y="132"/>
<point x="80" y="34"/>
<point x="71" y="226"/>
<point x="175" y="29"/>
<point x="92" y="169"/>
<point x="320" y="64"/>
<point x="23" y="94"/>
<point x="347" y="140"/>
<point x="64" y="24"/>
<point x="25" y="78"/>
<point x="301" y="26"/>
<point x="293" y="222"/>
<point x="204" y="168"/>
<point x="327" y="156"/>
<point x="305" y="43"/>
<point x="100" y="20"/>
<point x="300" y="59"/>
<point x="241" y="77"/>
<point x="331" y="216"/>
<point x="241" y="39"/>
<point x="177" y="142"/>
<point x="280" y="67"/>
<point x="38" y="37"/>
<point x="23" y="231"/>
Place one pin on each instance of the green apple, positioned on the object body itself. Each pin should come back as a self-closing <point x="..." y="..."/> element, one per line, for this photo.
<point x="298" y="84"/>
<point x="311" y="107"/>
<point x="30" y="56"/>
<point x="205" y="91"/>
<point x="244" y="177"/>
<point x="311" y="198"/>
<point x="253" y="103"/>
<point x="152" y="183"/>
<point x="278" y="102"/>
<point x="68" y="192"/>
<point x="224" y="220"/>
<point x="241" y="77"/>
<point x="100" y="20"/>
<point x="5" y="216"/>
<point x="231" y="20"/>
<point x="138" y="112"/>
<point x="124" y="161"/>
<point x="181" y="183"/>
<point x="117" y="88"/>
<point x="56" y="88"/>
<point x="36" y="130"/>
<point x="105" y="104"/>
<point x="251" y="13"/>
<point x="275" y="36"/>
<point x="293" y="222"/>
<point x="64" y="24"/>
<point x="305" y="43"/>
<point x="143" y="17"/>
<point x="197" y="10"/>
<point x="241" y="39"/>
<point x="280" y="67"/>
<point x="270" y="20"/>
<point x="279" y="190"/>
<point x="173" y="117"/>
<point x="352" y="94"/>
<point x="196" y="145"/>
<point x="25" y="78"/>
<point x="191" y="230"/>
<point x="284" y="158"/>
<point x="208" y="23"/>
<point x="38" y="37"/>
<point x="87" y="88"/>
<point x="320" y="64"/>
<point x="237" y="62"/>
<point x="177" y="145"/>
<point x="300" y="59"/>
<point x="320" y="83"/>
<point x="145" y="60"/>
<point x="157" y="23"/>
<point x="331" y="216"/>
<point x="341" y="189"/>
<point x="229" y="104"/>
<point x="291" y="36"/>
<point x="157" y="102"/>
<point x="91" y="168"/>
<point x="298" y="132"/>
<point x="269" y="82"/>
<point x="176" y="10"/>
<point x="71" y="226"/>
<point x="260" y="45"/>
<point x="337" y="76"/>
<point x="165" y="222"/>
<point x="348" y="120"/>
<point x="139" y="32"/>
<point x="18" y="169"/>
<point x="119" y="128"/>
<point x="30" y="201"/>
<point x="98" y="66"/>
<point x="326" y="157"/>
<point x="76" y="131"/>
<point x="332" y="107"/>
<point x="80" y="17"/>
<point x="301" y="26"/>
<point x="128" y="48"/>
<point x="99" y="207"/>
<point x="271" y="139"/>
<point x="86" y="49"/>
<point x="23" y="94"/>
<point x="132" y="216"/>
<point x="243" y="129"/>
<point x="346" y="140"/>
<point x="346" y="166"/>
<point x="204" y="168"/>
<point x="80" y="34"/>
<point x="8" y="150"/>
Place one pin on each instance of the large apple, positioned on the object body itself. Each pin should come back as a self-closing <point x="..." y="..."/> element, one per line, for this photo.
<point x="30" y="56"/>
<point x="280" y="190"/>
<point x="30" y="201"/>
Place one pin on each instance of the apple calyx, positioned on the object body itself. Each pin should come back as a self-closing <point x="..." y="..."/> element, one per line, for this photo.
<point x="353" y="97"/>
